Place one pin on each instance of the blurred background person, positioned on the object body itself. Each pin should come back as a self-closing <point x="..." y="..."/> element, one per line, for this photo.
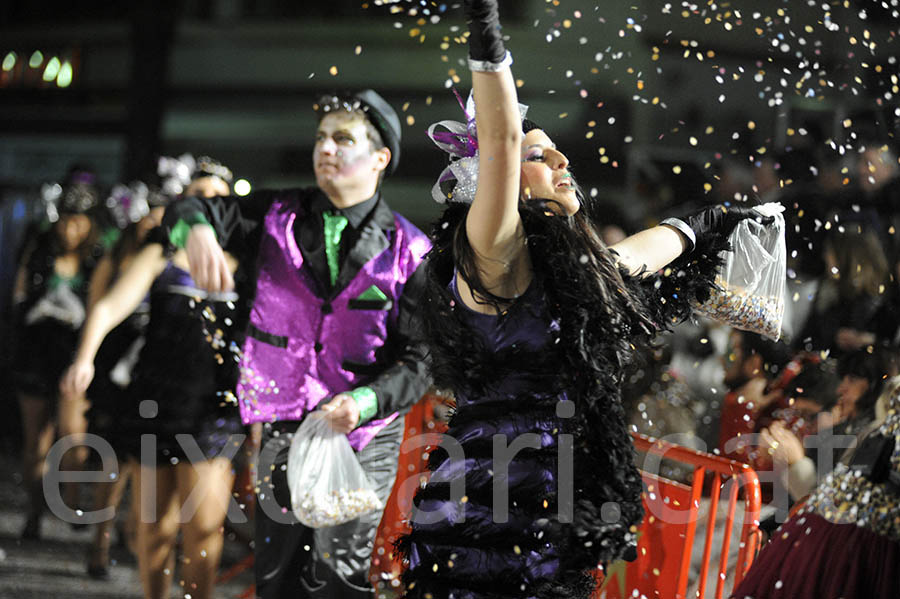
<point x="854" y="306"/>
<point x="862" y="379"/>
<point x="752" y="365"/>
<point x="186" y="177"/>
<point x="808" y="387"/>
<point x="845" y="541"/>
<point x="181" y="385"/>
<point x="179" y="388"/>
<point x="137" y="208"/>
<point x="50" y="299"/>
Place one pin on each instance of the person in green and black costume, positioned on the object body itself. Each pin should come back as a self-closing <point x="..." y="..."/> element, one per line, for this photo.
<point x="49" y="303"/>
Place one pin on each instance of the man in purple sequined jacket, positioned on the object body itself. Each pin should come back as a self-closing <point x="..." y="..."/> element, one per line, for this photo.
<point x="331" y="326"/>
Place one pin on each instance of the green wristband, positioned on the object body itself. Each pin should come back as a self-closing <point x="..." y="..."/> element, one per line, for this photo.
<point x="178" y="236"/>
<point x="367" y="402"/>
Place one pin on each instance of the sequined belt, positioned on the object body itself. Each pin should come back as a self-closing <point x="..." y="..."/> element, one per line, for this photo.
<point x="213" y="296"/>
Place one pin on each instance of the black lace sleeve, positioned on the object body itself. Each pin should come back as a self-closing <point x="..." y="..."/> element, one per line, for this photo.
<point x="671" y="294"/>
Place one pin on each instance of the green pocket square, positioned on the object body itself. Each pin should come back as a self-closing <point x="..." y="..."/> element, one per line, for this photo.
<point x="372" y="293"/>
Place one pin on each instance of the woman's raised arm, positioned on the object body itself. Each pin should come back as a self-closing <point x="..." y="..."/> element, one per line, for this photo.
<point x="493" y="226"/>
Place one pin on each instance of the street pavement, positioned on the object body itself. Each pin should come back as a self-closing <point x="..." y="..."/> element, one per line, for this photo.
<point x="54" y="566"/>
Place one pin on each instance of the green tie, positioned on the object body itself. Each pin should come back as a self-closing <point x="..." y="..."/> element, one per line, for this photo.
<point x="334" y="226"/>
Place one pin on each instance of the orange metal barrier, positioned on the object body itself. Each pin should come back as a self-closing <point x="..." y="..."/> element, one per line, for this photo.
<point x="386" y="566"/>
<point x="666" y="537"/>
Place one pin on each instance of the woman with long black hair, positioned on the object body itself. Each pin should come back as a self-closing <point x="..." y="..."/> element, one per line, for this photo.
<point x="529" y="317"/>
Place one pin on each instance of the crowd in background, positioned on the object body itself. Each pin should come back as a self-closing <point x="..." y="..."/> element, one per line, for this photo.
<point x="841" y="298"/>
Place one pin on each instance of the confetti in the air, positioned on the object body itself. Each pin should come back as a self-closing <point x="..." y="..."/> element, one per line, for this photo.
<point x="704" y="64"/>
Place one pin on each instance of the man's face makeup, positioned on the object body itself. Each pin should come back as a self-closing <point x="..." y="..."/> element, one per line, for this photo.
<point x="343" y="152"/>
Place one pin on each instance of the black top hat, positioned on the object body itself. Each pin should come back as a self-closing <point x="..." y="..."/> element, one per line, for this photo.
<point x="379" y="112"/>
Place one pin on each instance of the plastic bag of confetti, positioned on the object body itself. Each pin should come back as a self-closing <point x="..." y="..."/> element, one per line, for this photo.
<point x="328" y="486"/>
<point x="752" y="280"/>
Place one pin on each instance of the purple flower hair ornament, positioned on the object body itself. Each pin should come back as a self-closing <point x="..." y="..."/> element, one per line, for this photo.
<point x="457" y="182"/>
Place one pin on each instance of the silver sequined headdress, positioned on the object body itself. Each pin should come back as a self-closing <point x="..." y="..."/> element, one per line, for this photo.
<point x="175" y="173"/>
<point x="457" y="182"/>
<point x="78" y="194"/>
<point x="130" y="203"/>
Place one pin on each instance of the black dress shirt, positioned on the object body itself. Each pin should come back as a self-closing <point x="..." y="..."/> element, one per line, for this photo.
<point x="310" y="235"/>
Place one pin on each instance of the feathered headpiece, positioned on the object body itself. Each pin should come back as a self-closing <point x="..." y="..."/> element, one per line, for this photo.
<point x="457" y="182"/>
<point x="50" y="194"/>
<point x="175" y="172"/>
<point x="130" y="203"/>
<point x="78" y="194"/>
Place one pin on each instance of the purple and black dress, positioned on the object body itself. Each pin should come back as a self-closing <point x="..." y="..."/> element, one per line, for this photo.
<point x="467" y="537"/>
<point x="184" y="379"/>
<point x="534" y="483"/>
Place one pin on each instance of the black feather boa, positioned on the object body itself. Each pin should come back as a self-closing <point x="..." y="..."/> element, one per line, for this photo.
<point x="594" y="338"/>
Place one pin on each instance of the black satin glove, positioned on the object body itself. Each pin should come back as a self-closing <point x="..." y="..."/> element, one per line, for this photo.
<point x="723" y="219"/>
<point x="485" y="39"/>
<point x="718" y="219"/>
